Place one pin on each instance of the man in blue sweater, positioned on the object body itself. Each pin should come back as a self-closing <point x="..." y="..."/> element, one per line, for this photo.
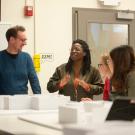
<point x="16" y="67"/>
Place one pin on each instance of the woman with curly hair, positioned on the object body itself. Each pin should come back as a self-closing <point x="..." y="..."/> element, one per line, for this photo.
<point x="76" y="78"/>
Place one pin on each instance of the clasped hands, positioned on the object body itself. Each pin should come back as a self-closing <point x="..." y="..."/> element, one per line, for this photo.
<point x="64" y="81"/>
<point x="82" y="83"/>
<point x="77" y="82"/>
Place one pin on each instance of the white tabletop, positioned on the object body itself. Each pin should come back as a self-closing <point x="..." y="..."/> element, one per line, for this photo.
<point x="33" y="122"/>
<point x="45" y="122"/>
<point x="13" y="125"/>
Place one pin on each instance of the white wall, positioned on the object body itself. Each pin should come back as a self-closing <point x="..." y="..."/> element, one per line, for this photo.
<point x="52" y="24"/>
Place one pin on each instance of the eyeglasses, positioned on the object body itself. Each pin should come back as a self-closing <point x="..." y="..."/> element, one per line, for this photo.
<point x="109" y="61"/>
<point x="21" y="39"/>
<point x="99" y="65"/>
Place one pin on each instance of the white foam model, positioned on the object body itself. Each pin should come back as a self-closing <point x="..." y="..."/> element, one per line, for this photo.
<point x="48" y="102"/>
<point x="2" y="102"/>
<point x="70" y="113"/>
<point x="36" y="102"/>
<point x="89" y="106"/>
<point x="17" y="102"/>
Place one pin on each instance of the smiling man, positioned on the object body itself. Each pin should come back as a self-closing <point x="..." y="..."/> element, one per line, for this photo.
<point x="16" y="67"/>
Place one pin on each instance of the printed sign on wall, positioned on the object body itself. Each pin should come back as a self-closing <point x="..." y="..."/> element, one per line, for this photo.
<point x="46" y="57"/>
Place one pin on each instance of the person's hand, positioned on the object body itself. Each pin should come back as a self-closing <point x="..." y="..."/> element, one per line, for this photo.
<point x="86" y="99"/>
<point x="76" y="82"/>
<point x="83" y="84"/>
<point x="64" y="81"/>
<point x="102" y="70"/>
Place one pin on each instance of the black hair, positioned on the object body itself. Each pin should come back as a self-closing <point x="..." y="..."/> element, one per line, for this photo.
<point x="86" y="59"/>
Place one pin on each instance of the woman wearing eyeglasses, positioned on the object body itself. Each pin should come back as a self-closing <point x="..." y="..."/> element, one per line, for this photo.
<point x="105" y="74"/>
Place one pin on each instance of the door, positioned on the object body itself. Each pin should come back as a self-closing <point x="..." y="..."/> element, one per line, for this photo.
<point x="102" y="29"/>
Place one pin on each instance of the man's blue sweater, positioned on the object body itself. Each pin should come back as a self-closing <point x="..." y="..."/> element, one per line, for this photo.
<point x="15" y="71"/>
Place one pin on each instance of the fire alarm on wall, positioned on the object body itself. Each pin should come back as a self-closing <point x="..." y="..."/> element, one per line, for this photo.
<point x="28" y="10"/>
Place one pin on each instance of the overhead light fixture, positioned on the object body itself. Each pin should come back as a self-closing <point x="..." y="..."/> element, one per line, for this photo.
<point x="110" y="2"/>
